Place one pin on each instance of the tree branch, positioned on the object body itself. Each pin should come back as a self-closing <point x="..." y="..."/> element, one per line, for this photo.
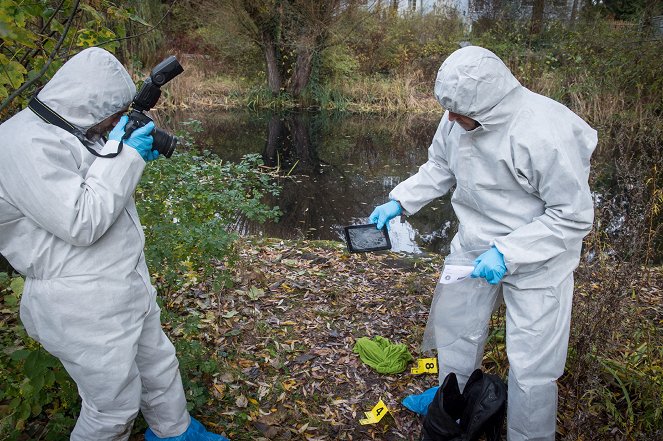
<point x="150" y="29"/>
<point x="43" y="70"/>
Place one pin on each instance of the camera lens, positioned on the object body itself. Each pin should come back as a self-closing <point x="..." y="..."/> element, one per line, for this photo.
<point x="164" y="142"/>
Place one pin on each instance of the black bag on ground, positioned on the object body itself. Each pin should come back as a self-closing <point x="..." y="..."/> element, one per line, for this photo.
<point x="480" y="409"/>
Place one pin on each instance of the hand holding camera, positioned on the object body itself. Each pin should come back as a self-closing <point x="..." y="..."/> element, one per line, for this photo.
<point x="140" y="139"/>
<point x="148" y="95"/>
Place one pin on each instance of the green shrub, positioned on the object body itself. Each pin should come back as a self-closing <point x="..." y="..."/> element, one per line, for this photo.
<point x="189" y="204"/>
<point x="630" y="389"/>
<point x="36" y="392"/>
<point x="392" y="44"/>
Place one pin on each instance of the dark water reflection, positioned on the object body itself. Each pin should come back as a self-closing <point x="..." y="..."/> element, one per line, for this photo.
<point x="340" y="167"/>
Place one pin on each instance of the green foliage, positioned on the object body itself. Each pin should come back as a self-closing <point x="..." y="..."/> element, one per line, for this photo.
<point x="592" y="58"/>
<point x="198" y="363"/>
<point x="221" y="35"/>
<point x="389" y="43"/>
<point x="135" y="17"/>
<point x="338" y="63"/>
<point x="629" y="9"/>
<point x="189" y="205"/>
<point x="36" y="390"/>
<point x="39" y="36"/>
<point x="630" y="389"/>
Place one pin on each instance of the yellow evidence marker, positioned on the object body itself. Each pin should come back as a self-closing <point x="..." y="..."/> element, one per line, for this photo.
<point x="375" y="415"/>
<point x="425" y="366"/>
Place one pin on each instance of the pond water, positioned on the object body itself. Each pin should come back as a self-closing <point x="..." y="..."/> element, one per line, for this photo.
<point x="339" y="168"/>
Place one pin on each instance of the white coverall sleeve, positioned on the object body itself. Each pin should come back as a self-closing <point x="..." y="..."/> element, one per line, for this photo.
<point x="560" y="178"/>
<point x="50" y="191"/>
<point x="434" y="178"/>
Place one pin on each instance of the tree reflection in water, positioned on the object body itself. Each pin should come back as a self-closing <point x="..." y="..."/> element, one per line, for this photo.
<point x="338" y="167"/>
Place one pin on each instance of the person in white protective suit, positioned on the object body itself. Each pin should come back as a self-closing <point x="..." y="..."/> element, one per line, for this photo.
<point x="519" y="162"/>
<point x="69" y="224"/>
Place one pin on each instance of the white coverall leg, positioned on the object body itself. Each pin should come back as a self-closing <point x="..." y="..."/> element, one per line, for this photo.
<point x="537" y="336"/>
<point x="121" y="364"/>
<point x="162" y="403"/>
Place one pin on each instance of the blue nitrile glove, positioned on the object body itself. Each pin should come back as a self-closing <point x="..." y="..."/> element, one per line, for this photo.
<point x="140" y="139"/>
<point x="490" y="265"/>
<point x="418" y="403"/>
<point x="195" y="432"/>
<point x="385" y="212"/>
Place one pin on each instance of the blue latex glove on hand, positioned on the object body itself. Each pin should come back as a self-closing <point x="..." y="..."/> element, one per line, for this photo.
<point x="140" y="139"/>
<point x="384" y="213"/>
<point x="490" y="265"/>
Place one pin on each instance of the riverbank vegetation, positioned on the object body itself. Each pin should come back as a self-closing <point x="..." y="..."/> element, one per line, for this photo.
<point x="264" y="328"/>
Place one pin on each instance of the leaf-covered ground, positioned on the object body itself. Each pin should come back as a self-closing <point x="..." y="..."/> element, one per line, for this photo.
<point x="285" y="335"/>
<point x="283" y="339"/>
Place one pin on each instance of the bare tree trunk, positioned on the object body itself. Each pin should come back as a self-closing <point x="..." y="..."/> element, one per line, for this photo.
<point x="283" y="26"/>
<point x="274" y="80"/>
<point x="302" y="70"/>
<point x="537" y="17"/>
<point x="311" y="43"/>
<point x="574" y="14"/>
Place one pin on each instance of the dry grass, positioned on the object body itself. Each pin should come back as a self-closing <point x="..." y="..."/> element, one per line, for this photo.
<point x="201" y="86"/>
<point x="403" y="93"/>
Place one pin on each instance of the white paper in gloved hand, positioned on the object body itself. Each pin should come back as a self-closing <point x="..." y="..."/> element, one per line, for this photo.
<point x="455" y="273"/>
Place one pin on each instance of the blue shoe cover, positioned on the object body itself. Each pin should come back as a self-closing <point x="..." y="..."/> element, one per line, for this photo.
<point x="195" y="432"/>
<point x="418" y="403"/>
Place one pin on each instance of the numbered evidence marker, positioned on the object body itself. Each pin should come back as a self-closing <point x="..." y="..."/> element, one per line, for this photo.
<point x="375" y="414"/>
<point x="425" y="366"/>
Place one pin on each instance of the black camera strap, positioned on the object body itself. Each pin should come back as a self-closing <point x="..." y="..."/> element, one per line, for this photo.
<point x="50" y="116"/>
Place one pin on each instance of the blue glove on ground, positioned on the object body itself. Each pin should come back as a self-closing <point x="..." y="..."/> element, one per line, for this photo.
<point x="195" y="432"/>
<point x="490" y="265"/>
<point x="418" y="403"/>
<point x="384" y="213"/>
<point x="140" y="139"/>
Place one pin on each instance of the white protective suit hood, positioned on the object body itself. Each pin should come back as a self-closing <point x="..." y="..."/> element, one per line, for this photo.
<point x="472" y="82"/>
<point x="89" y="88"/>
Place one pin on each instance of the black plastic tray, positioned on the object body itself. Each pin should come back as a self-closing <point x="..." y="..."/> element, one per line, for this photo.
<point x="364" y="238"/>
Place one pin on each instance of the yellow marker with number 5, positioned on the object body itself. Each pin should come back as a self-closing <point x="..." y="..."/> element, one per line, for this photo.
<point x="425" y="366"/>
<point x="375" y="414"/>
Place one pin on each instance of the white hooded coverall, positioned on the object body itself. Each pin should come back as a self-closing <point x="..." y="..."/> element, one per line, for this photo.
<point x="521" y="183"/>
<point x="68" y="222"/>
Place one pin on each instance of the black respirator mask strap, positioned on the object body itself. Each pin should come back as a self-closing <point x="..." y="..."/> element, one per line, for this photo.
<point x="50" y="116"/>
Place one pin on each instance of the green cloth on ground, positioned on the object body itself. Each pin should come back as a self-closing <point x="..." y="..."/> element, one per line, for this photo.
<point x="382" y="355"/>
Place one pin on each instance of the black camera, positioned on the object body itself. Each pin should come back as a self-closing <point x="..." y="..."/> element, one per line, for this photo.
<point x="146" y="98"/>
